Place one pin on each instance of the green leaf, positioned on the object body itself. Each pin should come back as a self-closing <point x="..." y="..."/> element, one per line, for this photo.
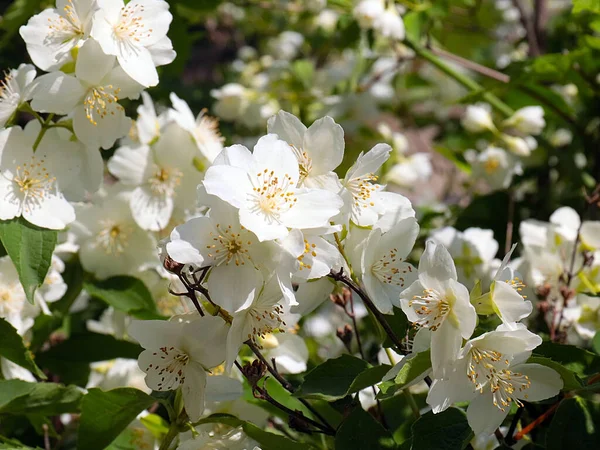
<point x="414" y="367"/>
<point x="21" y="397"/>
<point x="126" y="294"/>
<point x="361" y="431"/>
<point x="332" y="379"/>
<point x="448" y="430"/>
<point x="369" y="377"/>
<point x="582" y="5"/>
<point x="105" y="414"/>
<point x="596" y="343"/>
<point x="570" y="379"/>
<point x="13" y="349"/>
<point x="304" y="70"/>
<point x="575" y="426"/>
<point x="91" y="347"/>
<point x="267" y="441"/>
<point x="30" y="249"/>
<point x="575" y="359"/>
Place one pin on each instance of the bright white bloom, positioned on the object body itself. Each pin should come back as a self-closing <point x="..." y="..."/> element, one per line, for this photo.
<point x="14" y="90"/>
<point x="162" y="176"/>
<point x="385" y="272"/>
<point x="287" y="45"/>
<point x="517" y="145"/>
<point x="289" y="351"/>
<point x="414" y="169"/>
<point x="232" y="101"/>
<point x="319" y="148"/>
<point x="362" y="200"/>
<point x="31" y="183"/>
<point x="136" y="34"/>
<point x="111" y="243"/>
<point x="367" y="11"/>
<point x="439" y="302"/>
<point x="528" y="120"/>
<point x="496" y="167"/>
<point x="178" y="353"/>
<point x="477" y="118"/>
<point x="262" y="185"/>
<point x="587" y="316"/>
<point x="52" y="34"/>
<point x="204" y="129"/>
<point x="117" y="373"/>
<point x="590" y="234"/>
<point x="148" y="125"/>
<point x="389" y="24"/>
<point x="91" y="96"/>
<point x="491" y="374"/>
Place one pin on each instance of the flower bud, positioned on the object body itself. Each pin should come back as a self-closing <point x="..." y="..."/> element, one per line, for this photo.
<point x="528" y="120"/>
<point x="172" y="265"/>
<point x="477" y="118"/>
<point x="345" y="334"/>
<point x="517" y="145"/>
<point x="254" y="371"/>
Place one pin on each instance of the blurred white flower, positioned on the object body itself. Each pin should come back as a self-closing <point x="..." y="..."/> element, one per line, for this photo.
<point x="14" y="90"/>
<point x="477" y="118"/>
<point x="528" y="120"/>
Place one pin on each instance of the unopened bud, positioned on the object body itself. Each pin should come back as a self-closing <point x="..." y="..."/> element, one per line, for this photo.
<point x="299" y="423"/>
<point x="345" y="334"/>
<point x="254" y="371"/>
<point x="544" y="291"/>
<point x="567" y="293"/>
<point x="341" y="298"/>
<point x="172" y="266"/>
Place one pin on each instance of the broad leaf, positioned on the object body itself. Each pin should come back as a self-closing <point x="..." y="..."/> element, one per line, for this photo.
<point x="575" y="425"/>
<point x="413" y="367"/>
<point x="369" y="377"/>
<point x="30" y="249"/>
<point x="105" y="414"/>
<point x="13" y="349"/>
<point x="448" y="430"/>
<point x="361" y="431"/>
<point x="126" y="294"/>
<point x="21" y="397"/>
<point x="575" y="359"/>
<point x="332" y="379"/>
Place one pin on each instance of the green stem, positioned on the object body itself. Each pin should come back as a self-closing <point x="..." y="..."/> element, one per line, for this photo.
<point x="170" y="437"/>
<point x="45" y="125"/>
<point x="27" y="108"/>
<point x="467" y="82"/>
<point x="412" y="403"/>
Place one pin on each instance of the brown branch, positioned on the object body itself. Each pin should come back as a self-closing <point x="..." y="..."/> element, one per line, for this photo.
<point x="534" y="48"/>
<point x="526" y="430"/>
<point x="471" y="65"/>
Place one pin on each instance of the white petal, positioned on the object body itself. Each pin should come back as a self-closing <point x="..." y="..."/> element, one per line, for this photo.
<point x="288" y="127"/>
<point x="234" y="296"/>
<point x="151" y="211"/>
<point x="107" y="130"/>
<point x="228" y="183"/>
<point x="194" y="390"/>
<point x="10" y="200"/>
<point x="204" y="340"/>
<point x="445" y="345"/>
<point x="511" y="306"/>
<point x="436" y="265"/>
<point x="220" y="388"/>
<point x="262" y="225"/>
<point x="237" y="156"/>
<point x="189" y="241"/>
<point x="545" y="382"/>
<point x="484" y="418"/>
<point x="131" y="165"/>
<point x="140" y="67"/>
<point x="162" y="52"/>
<point x="92" y="63"/>
<point x="377" y="293"/>
<point x="324" y="143"/>
<point x="53" y="211"/>
<point x="314" y="208"/>
<point x="462" y="309"/>
<point x="272" y="153"/>
<point x="57" y="92"/>
<point x="370" y="162"/>
<point x="152" y="334"/>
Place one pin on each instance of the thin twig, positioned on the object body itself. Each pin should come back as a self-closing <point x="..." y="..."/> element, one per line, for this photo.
<point x="468" y="64"/>
<point x="526" y="430"/>
<point x="534" y="48"/>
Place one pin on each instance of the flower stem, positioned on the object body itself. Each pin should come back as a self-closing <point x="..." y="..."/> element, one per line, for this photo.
<point x="412" y="403"/>
<point x="170" y="436"/>
<point x="45" y="125"/>
<point x="467" y="82"/>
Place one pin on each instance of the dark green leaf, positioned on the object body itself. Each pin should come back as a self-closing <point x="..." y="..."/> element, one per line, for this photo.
<point x="369" y="377"/>
<point x="361" y="431"/>
<point x="332" y="379"/>
<point x="413" y="367"/>
<point x="126" y="294"/>
<point x="448" y="430"/>
<point x="267" y="441"/>
<point x="13" y="349"/>
<point x="21" y="397"/>
<point x="571" y="380"/>
<point x="575" y="359"/>
<point x="30" y="249"/>
<point x="596" y="343"/>
<point x="105" y="414"/>
<point x="575" y="426"/>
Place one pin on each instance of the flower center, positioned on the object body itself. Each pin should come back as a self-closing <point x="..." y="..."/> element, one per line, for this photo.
<point x="114" y="237"/>
<point x="304" y="162"/>
<point x="362" y="188"/>
<point x="170" y="362"/>
<point x="272" y="196"/>
<point x="432" y="308"/>
<point x="387" y="271"/>
<point x="265" y="321"/>
<point x="229" y="246"/>
<point x="131" y="25"/>
<point x="66" y="27"/>
<point x="517" y="284"/>
<point x="491" y="165"/>
<point x="101" y="101"/>
<point x="165" y="180"/>
<point x="33" y="179"/>
<point x="309" y="249"/>
<point x="207" y="130"/>
<point x="9" y="89"/>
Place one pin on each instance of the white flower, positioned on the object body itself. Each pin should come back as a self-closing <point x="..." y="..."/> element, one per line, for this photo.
<point x="111" y="243"/>
<point x="496" y="167"/>
<point x="232" y="101"/>
<point x="51" y="35"/>
<point x="14" y="90"/>
<point x="385" y="272"/>
<point x="162" y="176"/>
<point x="261" y="314"/>
<point x="31" y="183"/>
<point x="178" y="353"/>
<point x="289" y="351"/>
<point x="528" y="120"/>
<point x="389" y="24"/>
<point x="116" y="373"/>
<point x="367" y="11"/>
<point x="362" y="200"/>
<point x="411" y="171"/>
<point x="91" y="96"/>
<point x="286" y="45"/>
<point x="263" y="186"/>
<point x="319" y="148"/>
<point x="438" y="302"/>
<point x="204" y="129"/>
<point x="136" y="34"/>
<point x="211" y="436"/>
<point x="12" y="371"/>
<point x="491" y="374"/>
<point x="148" y="125"/>
<point x="477" y="118"/>
<point x="517" y="145"/>
<point x="561" y="137"/>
